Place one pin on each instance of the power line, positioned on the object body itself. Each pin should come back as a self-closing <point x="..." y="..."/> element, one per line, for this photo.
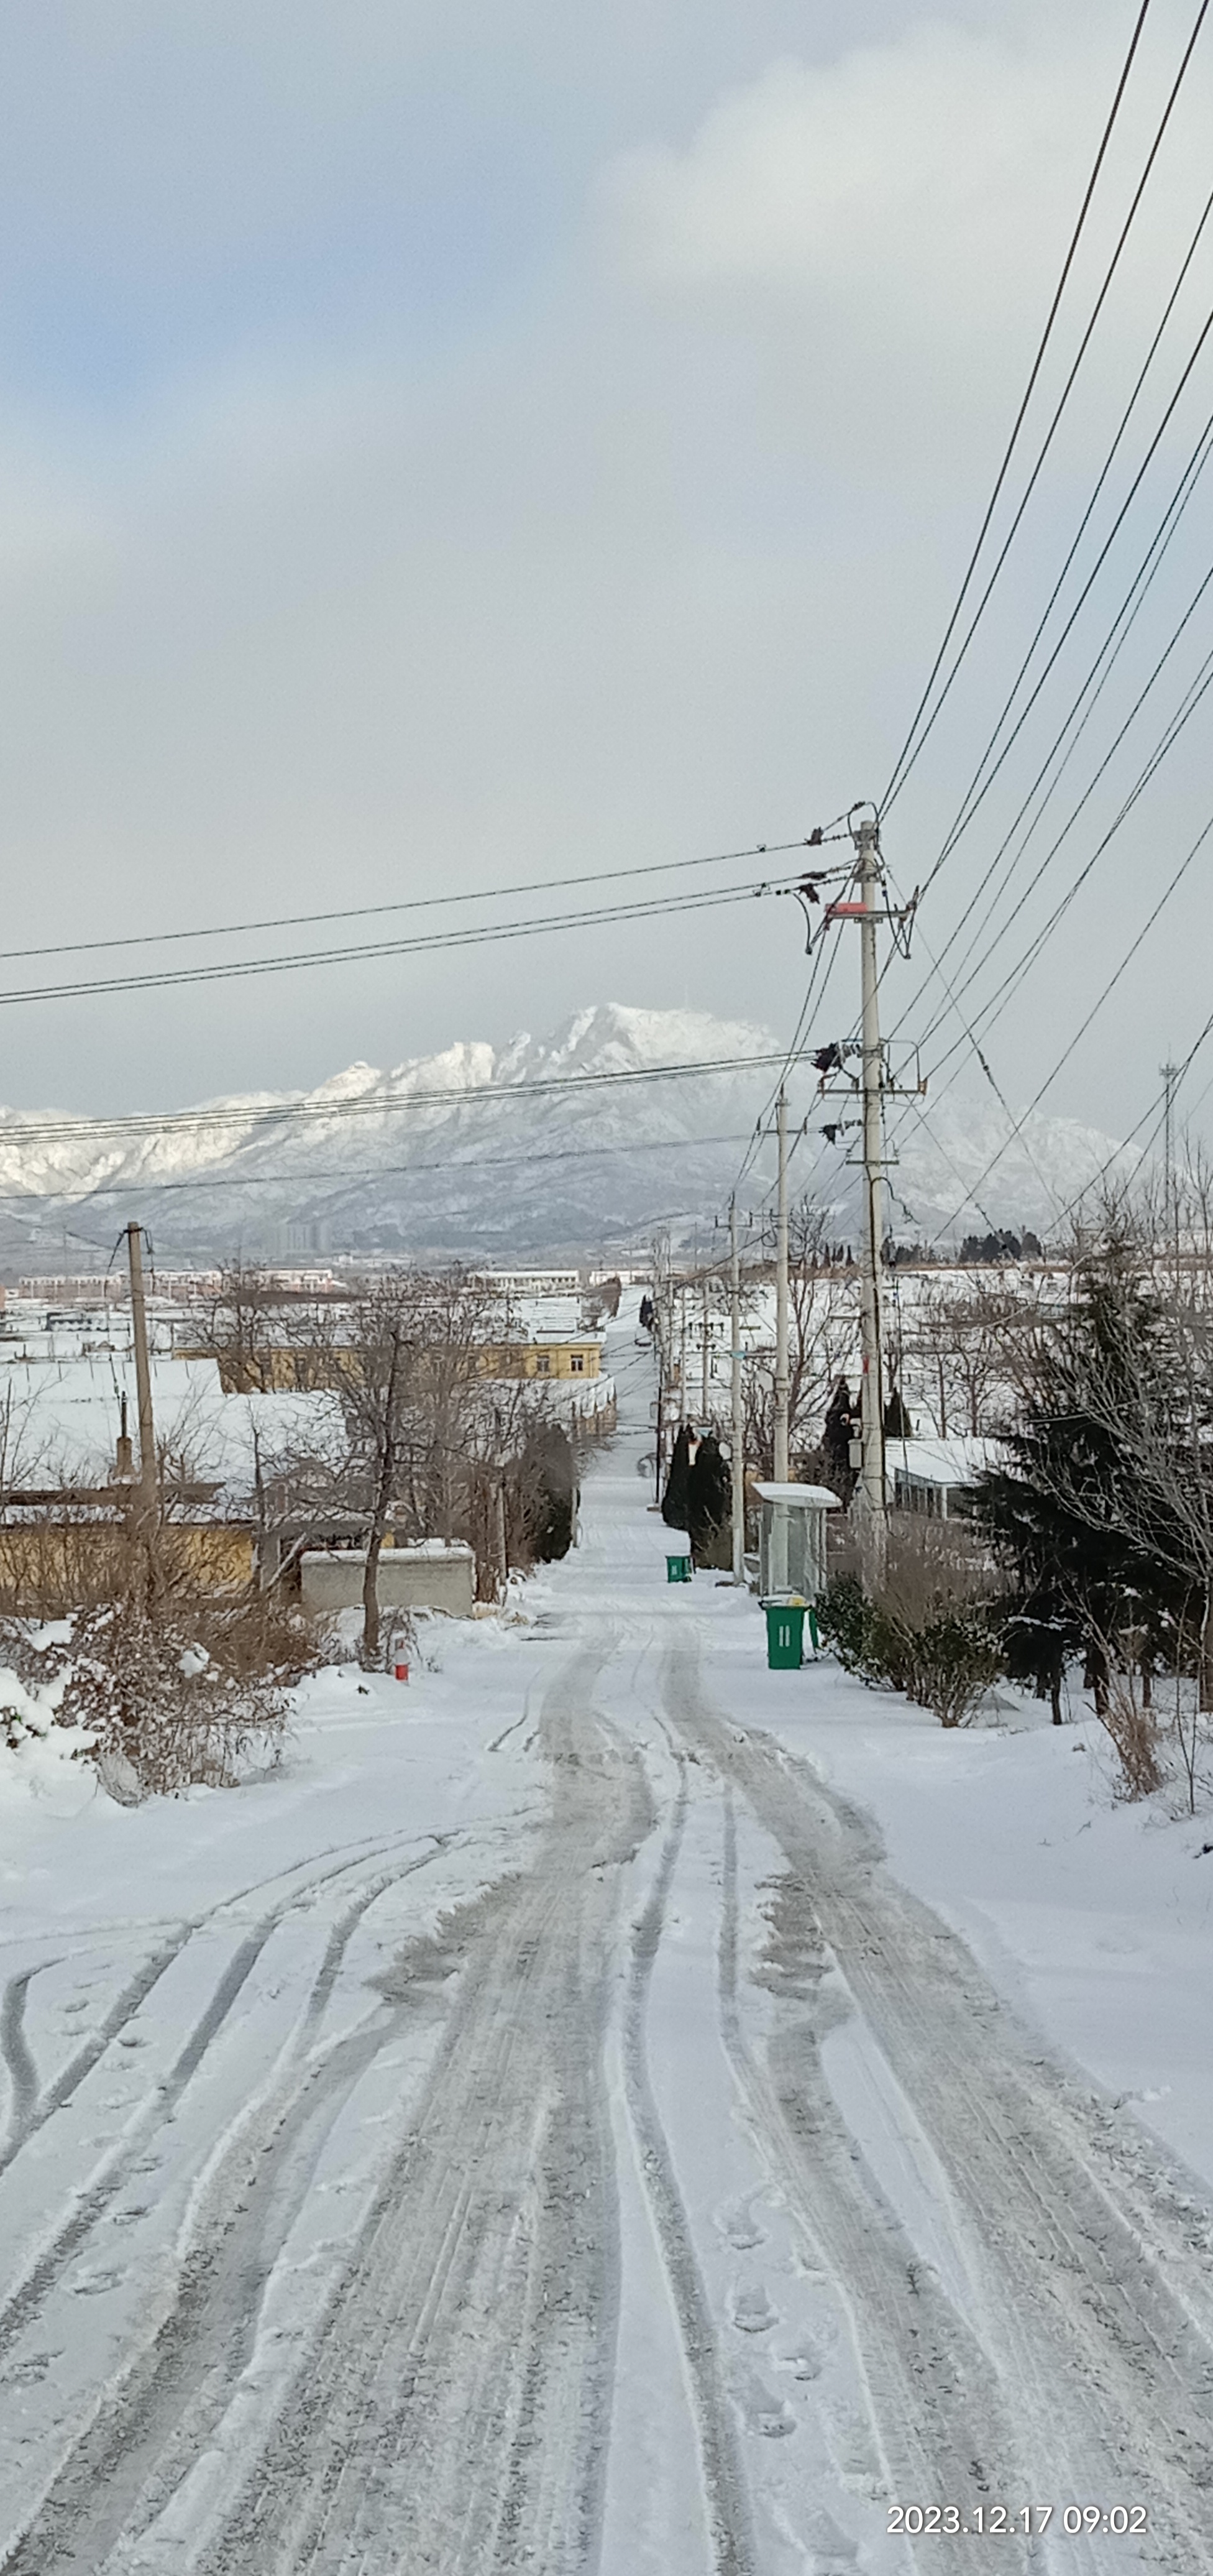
<point x="425" y="944"/>
<point x="988" y="1014"/>
<point x="1075" y="1040"/>
<point x="189" y="1122"/>
<point x="144" y="1188"/>
<point x="996" y="1003"/>
<point x="790" y="1056"/>
<point x="1048" y="441"/>
<point x="1187" y="708"/>
<point x="979" y="786"/>
<point x="411" y="903"/>
<point x="909" y="748"/>
<point x="1108" y="654"/>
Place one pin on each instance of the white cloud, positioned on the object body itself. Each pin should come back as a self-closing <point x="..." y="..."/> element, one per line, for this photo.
<point x="919" y="189"/>
<point x="646" y="556"/>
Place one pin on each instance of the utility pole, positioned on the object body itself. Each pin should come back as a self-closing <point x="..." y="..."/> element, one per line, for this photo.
<point x="738" y="1459"/>
<point x="704" y="1370"/>
<point x="146" y="1506"/>
<point x="872" y="1477"/>
<point x="780" y="1441"/>
<point x="866" y="906"/>
<point x="1170" y="1075"/>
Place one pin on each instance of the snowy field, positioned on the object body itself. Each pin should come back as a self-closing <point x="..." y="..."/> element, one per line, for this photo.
<point x="607" y="2107"/>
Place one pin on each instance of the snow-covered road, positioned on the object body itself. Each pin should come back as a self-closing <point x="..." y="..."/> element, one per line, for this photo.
<point x="536" y="2131"/>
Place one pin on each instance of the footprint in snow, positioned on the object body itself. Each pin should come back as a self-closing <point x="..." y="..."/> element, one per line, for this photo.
<point x="833" y="2552"/>
<point x="96" y="2283"/>
<point x="804" y="2361"/>
<point x="738" y="2225"/>
<point x="752" y="2310"/>
<point x="765" y="2412"/>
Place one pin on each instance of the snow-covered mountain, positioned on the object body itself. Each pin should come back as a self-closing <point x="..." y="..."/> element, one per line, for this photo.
<point x="504" y="1152"/>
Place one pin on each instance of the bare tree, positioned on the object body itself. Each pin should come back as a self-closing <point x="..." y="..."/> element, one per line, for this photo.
<point x="431" y="1426"/>
<point x="968" y="1347"/>
<point x="238" y="1328"/>
<point x="823" y="1331"/>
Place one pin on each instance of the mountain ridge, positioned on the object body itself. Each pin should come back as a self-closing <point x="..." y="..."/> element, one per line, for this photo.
<point x="480" y="1150"/>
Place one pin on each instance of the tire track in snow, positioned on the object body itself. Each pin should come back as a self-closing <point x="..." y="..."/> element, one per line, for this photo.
<point x="27" y="2296"/>
<point x="174" y="2393"/>
<point x="39" y="2105"/>
<point x="725" y="2487"/>
<point x="22" y="2072"/>
<point x="1099" y="2308"/>
<point x="450" y="2409"/>
<point x="933" y="2398"/>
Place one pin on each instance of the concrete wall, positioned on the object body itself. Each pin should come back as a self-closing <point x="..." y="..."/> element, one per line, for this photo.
<point x="410" y="1578"/>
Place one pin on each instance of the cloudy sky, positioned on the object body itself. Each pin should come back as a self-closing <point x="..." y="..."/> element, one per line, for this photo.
<point x="444" y="447"/>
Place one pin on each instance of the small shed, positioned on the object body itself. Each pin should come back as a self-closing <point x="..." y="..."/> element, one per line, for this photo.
<point x="435" y="1574"/>
<point x="792" y="1543"/>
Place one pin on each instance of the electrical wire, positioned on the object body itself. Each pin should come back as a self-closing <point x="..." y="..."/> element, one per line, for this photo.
<point x="1125" y="417"/>
<point x="274" y="1113"/>
<point x="1079" y="1033"/>
<point x="356" y="1178"/>
<point x="979" y="786"/>
<point x="425" y="944"/>
<point x="996" y="1003"/>
<point x="1108" y="656"/>
<point x="413" y="903"/>
<point x="797" y="1035"/>
<point x="909" y="747"/>
<point x="987" y="1013"/>
<point x="993" y="1008"/>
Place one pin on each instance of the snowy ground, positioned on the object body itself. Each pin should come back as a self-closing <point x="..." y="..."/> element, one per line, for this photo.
<point x="537" y="2128"/>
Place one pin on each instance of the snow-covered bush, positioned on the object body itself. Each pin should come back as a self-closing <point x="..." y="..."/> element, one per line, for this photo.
<point x="930" y="1631"/>
<point x="171" y="1692"/>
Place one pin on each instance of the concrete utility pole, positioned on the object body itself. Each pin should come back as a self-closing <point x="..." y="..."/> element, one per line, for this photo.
<point x="704" y="1372"/>
<point x="738" y="1460"/>
<point x="143" y="1369"/>
<point x="146" y="1512"/>
<point x="872" y="1478"/>
<point x="780" y="1443"/>
<point x="1170" y="1074"/>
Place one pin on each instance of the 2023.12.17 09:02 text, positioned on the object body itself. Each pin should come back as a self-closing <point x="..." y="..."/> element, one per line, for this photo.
<point x="999" y="2521"/>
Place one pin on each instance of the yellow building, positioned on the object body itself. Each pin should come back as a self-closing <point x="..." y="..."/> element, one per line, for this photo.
<point x="548" y="1356"/>
<point x="284" y="1367"/>
<point x="86" y="1557"/>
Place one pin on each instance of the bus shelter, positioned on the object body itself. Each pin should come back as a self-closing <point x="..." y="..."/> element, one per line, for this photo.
<point x="792" y="1540"/>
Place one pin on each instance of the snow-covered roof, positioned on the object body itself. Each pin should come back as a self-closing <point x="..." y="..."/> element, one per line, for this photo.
<point x="433" y="1551"/>
<point x="942" y="1462"/>
<point x="804" y="1497"/>
<point x="65" y="1416"/>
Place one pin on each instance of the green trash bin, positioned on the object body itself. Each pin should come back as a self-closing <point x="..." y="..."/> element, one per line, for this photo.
<point x="785" y="1635"/>
<point x="678" y="1569"/>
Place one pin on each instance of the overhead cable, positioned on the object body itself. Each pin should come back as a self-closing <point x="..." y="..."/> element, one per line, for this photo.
<point x="1091" y="690"/>
<point x="910" y="747"/>
<point x="418" y="903"/>
<point x="274" y="1113"/>
<point x="1075" y="1040"/>
<point x="427" y="943"/>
